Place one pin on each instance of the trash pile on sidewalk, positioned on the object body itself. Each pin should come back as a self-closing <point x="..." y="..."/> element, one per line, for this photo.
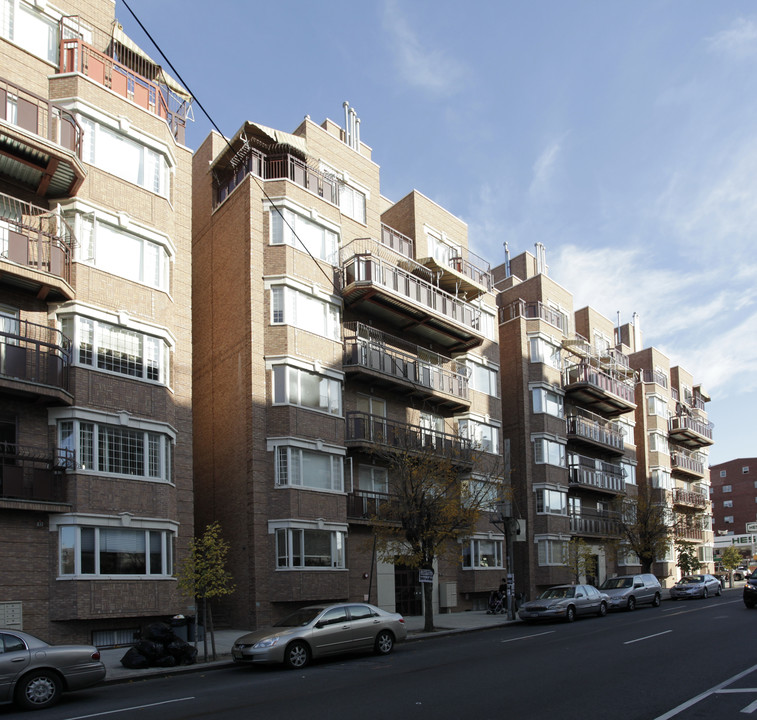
<point x="159" y="647"/>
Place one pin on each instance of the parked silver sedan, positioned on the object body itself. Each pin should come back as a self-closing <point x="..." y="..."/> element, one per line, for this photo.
<point x="565" y="602"/>
<point x="696" y="586"/>
<point x="34" y="673"/>
<point x="320" y="630"/>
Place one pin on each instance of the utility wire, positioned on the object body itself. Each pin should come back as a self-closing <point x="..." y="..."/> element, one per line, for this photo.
<point x="230" y="146"/>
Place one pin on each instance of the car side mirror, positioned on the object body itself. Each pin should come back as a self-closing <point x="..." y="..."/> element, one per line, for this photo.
<point x="578" y="595"/>
<point x="320" y="624"/>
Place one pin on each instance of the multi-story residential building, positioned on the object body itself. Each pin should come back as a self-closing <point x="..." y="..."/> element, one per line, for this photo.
<point x="734" y="495"/>
<point x="329" y="322"/>
<point x="568" y="407"/>
<point x="673" y="435"/>
<point x="96" y="497"/>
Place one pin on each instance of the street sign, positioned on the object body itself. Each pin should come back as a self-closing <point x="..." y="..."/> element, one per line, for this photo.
<point x="425" y="576"/>
<point x="751" y="527"/>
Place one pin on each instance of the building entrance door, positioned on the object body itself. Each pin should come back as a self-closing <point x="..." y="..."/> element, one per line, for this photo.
<point x="408" y="596"/>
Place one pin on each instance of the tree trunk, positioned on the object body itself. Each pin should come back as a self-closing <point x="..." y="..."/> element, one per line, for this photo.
<point x="205" y="628"/>
<point x="428" y="606"/>
<point x="212" y="632"/>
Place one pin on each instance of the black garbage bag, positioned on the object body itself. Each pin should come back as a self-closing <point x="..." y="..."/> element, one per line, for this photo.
<point x="166" y="661"/>
<point x="150" y="649"/>
<point x="159" y="632"/>
<point x="134" y="660"/>
<point x="184" y="653"/>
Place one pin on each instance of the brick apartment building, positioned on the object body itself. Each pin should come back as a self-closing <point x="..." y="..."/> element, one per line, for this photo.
<point x="734" y="495"/>
<point x="327" y="322"/>
<point x="96" y="501"/>
<point x="588" y="415"/>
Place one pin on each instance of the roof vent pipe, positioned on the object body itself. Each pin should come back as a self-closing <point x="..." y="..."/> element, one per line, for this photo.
<point x="541" y="259"/>
<point x="507" y="260"/>
<point x="346" y="106"/>
<point x="357" y="134"/>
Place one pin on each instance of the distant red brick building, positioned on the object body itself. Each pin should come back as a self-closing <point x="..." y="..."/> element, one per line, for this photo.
<point x="734" y="495"/>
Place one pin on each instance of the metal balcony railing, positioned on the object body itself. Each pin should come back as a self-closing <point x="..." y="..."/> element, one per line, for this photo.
<point x="376" y="430"/>
<point x="588" y="426"/>
<point x="473" y="267"/>
<point x="598" y="474"/>
<point x="585" y="373"/>
<point x="35" y="114"/>
<point x="690" y="532"/>
<point x="367" y="505"/>
<point x="657" y="377"/>
<point x="397" y="241"/>
<point x="34" y="237"/>
<point x="589" y="524"/>
<point x="395" y="358"/>
<point x="689" y="497"/>
<point x="28" y="473"/>
<point x="686" y="461"/>
<point x="679" y="423"/>
<point x="34" y="353"/>
<point x="534" y="310"/>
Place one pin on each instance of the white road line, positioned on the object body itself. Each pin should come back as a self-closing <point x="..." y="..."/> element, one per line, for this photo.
<point x="129" y="709"/>
<point x="647" y="637"/>
<point x="749" y="709"/>
<point x="689" y="703"/>
<point x="526" y="637"/>
<point x="735" y="690"/>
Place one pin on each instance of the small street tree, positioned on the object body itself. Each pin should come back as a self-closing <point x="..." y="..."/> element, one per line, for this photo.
<point x="688" y="557"/>
<point x="437" y="489"/>
<point x="730" y="560"/>
<point x="580" y="558"/>
<point x="646" y="526"/>
<point x="203" y="576"/>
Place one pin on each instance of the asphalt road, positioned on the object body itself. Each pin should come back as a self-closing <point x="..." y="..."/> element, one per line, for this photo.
<point x="687" y="659"/>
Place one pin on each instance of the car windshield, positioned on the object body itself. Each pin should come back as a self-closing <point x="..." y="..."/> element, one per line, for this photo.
<point x="691" y="580"/>
<point x="300" y="618"/>
<point x="558" y="593"/>
<point x="616" y="583"/>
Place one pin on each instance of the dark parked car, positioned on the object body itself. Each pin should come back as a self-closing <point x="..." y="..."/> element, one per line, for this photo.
<point x="696" y="586"/>
<point x="320" y="630"/>
<point x="34" y="673"/>
<point x="628" y="591"/>
<point x="565" y="602"/>
<point x="750" y="591"/>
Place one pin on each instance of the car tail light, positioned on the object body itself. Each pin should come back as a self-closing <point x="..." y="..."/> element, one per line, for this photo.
<point x="96" y="655"/>
<point x="402" y="620"/>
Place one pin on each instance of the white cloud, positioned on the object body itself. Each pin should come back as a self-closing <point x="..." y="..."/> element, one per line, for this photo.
<point x="739" y="41"/>
<point x="543" y="169"/>
<point x="427" y="68"/>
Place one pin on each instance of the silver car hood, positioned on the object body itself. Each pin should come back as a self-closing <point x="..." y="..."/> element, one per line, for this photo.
<point x="257" y="635"/>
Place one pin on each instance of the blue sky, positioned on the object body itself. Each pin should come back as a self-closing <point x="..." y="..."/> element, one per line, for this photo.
<point x="622" y="135"/>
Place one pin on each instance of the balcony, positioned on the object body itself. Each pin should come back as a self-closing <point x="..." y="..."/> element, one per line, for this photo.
<point x="35" y="250"/>
<point x="690" y="431"/>
<point x="386" y="360"/>
<point x="657" y="377"/>
<point x="689" y="498"/>
<point x="462" y="272"/>
<point x="40" y="144"/>
<point x="34" y="362"/>
<point x="586" y="427"/>
<point x="396" y="290"/>
<point x="368" y="505"/>
<point x="595" y="474"/>
<point x="374" y="432"/>
<point x="595" y="524"/>
<point x="686" y="531"/>
<point x="161" y="97"/>
<point x="598" y="390"/>
<point x="397" y="241"/>
<point x="686" y="462"/>
<point x="30" y="475"/>
<point x="534" y="311"/>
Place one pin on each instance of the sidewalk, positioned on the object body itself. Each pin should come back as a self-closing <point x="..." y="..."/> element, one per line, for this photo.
<point x="445" y="624"/>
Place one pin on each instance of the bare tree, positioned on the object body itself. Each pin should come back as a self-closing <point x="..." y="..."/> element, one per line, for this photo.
<point x="646" y="526"/>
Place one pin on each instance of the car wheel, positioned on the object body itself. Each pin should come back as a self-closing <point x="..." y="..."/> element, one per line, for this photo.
<point x="384" y="643"/>
<point x="718" y="591"/>
<point x="602" y="609"/>
<point x="38" y="690"/>
<point x="631" y="605"/>
<point x="657" y="600"/>
<point x="297" y="655"/>
<point x="570" y="614"/>
<point x="705" y="594"/>
<point x="749" y="604"/>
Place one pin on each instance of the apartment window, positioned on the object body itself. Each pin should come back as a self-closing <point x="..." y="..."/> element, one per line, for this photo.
<point x="722" y="473"/>
<point x="301" y="467"/>
<point x="486" y="323"/>
<point x="352" y="202"/>
<point x="117" y="450"/>
<point x="115" y="349"/>
<point x="658" y="442"/>
<point x="483" y="378"/>
<point x="745" y="469"/>
<point x="295" y="386"/>
<point x="629" y="472"/>
<point x="115" y="551"/>
<point x="551" y="502"/>
<point x="295" y="307"/>
<point x="481" y="493"/>
<point x="661" y="479"/>
<point x="727" y="488"/>
<point x="626" y="556"/>
<point x="482" y="435"/>
<point x="373" y="479"/>
<point x="547" y="401"/>
<point x="304" y="234"/>
<point x="544" y="351"/>
<point x="309" y="548"/>
<point x="626" y="428"/>
<point x="482" y="553"/>
<point x="657" y="406"/>
<point x="29" y="28"/>
<point x="549" y="452"/>
<point x="729" y="503"/>
<point x="119" y="155"/>
<point x="728" y="519"/>
<point x="550" y="551"/>
<point x="122" y="252"/>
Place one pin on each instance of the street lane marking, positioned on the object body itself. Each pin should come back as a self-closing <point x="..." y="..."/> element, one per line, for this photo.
<point x="527" y="637"/>
<point x="129" y="709"/>
<point x="647" y="637"/>
<point x="749" y="709"/>
<point x="689" y="703"/>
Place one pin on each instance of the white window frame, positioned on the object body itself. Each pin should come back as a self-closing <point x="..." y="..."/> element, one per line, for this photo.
<point x="288" y="533"/>
<point x="293" y="463"/>
<point x="481" y="369"/>
<point x="305" y="309"/>
<point x="550" y="550"/>
<point x="304" y="230"/>
<point x="549" y="450"/>
<point x="287" y="380"/>
<point x="729" y="503"/>
<point x="547" y="400"/>
<point x="658" y="442"/>
<point x="661" y="478"/>
<point x="544" y="349"/>
<point x="727" y="488"/>
<point x="483" y="434"/>
<point x="373" y="478"/>
<point x="475" y="551"/>
<point x="551" y="500"/>
<point x="657" y="405"/>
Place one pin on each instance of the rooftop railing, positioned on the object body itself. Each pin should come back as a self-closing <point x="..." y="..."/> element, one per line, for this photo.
<point x="35" y="237"/>
<point x="657" y="377"/>
<point x="534" y="310"/>
<point x="39" y="116"/>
